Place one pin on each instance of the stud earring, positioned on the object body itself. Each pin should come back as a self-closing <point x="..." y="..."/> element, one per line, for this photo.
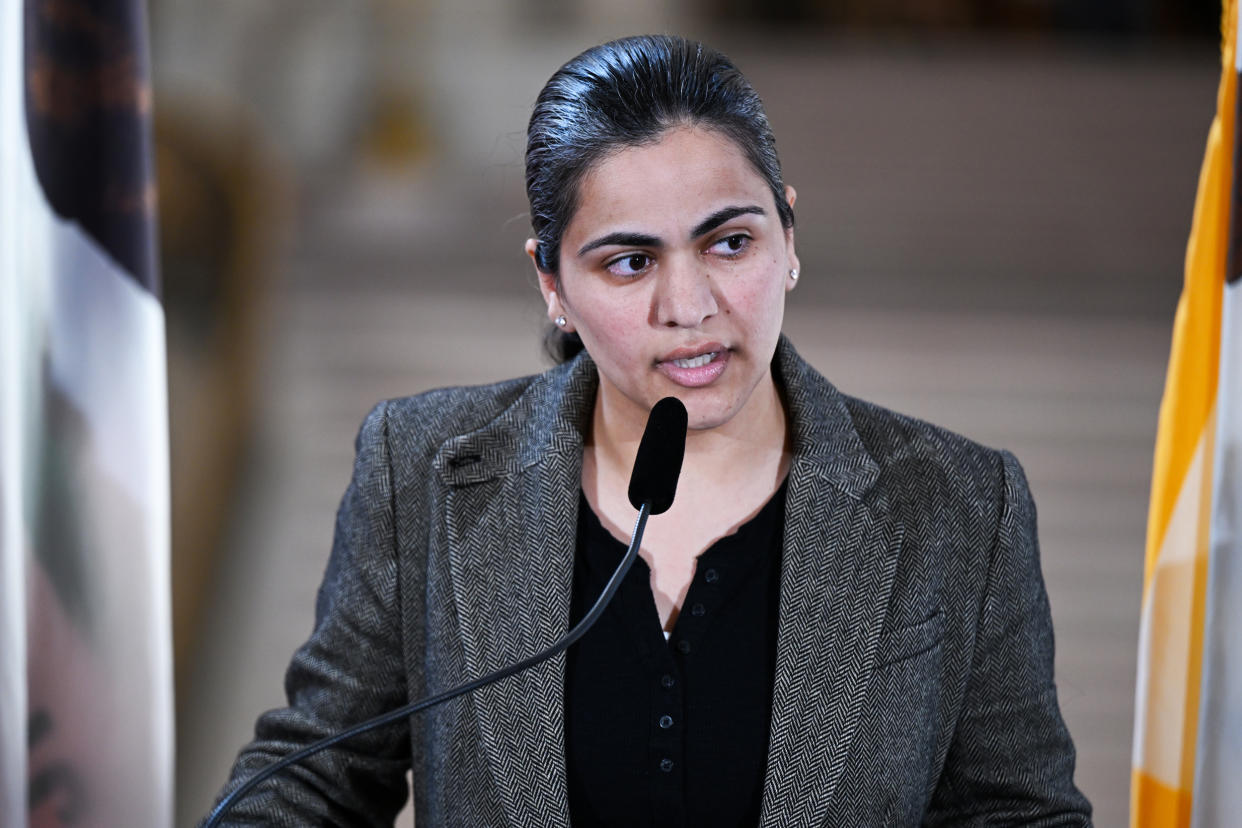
<point x="793" y="274"/>
<point x="561" y="321"/>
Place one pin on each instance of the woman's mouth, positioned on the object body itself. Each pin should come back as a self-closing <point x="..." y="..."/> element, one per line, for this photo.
<point x="695" y="370"/>
<point x="696" y="362"/>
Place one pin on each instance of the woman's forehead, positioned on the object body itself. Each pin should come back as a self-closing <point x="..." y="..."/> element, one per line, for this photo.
<point x="687" y="174"/>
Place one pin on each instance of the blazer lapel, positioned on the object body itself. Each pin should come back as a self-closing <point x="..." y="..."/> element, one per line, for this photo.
<point x="511" y="517"/>
<point x="840" y="554"/>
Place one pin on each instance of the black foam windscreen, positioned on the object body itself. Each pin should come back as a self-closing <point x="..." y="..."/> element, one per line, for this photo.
<point x="660" y="452"/>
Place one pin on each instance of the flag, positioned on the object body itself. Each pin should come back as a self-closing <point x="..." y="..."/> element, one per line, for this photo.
<point x="1187" y="756"/>
<point x="85" y="638"/>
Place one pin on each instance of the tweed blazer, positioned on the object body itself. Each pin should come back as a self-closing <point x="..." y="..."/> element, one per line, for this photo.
<point x="914" y="670"/>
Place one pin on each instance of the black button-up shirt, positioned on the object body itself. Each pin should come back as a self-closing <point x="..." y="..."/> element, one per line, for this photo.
<point x="674" y="733"/>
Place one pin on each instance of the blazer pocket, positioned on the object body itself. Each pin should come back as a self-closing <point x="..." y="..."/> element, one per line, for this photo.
<point x="900" y="643"/>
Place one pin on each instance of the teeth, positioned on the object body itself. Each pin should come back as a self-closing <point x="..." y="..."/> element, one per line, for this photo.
<point x="695" y="362"/>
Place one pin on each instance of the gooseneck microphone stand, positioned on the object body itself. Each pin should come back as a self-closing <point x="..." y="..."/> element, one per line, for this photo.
<point x="579" y="630"/>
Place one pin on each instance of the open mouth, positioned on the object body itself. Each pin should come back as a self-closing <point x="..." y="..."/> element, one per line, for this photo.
<point x="695" y="370"/>
<point x="695" y="362"/>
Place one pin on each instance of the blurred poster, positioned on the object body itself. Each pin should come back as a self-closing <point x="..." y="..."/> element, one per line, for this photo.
<point x="85" y="638"/>
<point x="1188" y="706"/>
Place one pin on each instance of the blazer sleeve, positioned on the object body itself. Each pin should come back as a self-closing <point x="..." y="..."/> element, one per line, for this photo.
<point x="350" y="669"/>
<point x="1011" y="761"/>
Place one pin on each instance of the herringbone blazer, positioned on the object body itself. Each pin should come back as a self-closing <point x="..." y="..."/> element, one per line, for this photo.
<point x="914" y="674"/>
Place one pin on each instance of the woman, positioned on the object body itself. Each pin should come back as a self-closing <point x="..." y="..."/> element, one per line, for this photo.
<point x="841" y="620"/>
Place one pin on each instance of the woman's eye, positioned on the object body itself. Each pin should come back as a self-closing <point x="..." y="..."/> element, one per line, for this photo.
<point x="731" y="245"/>
<point x="630" y="265"/>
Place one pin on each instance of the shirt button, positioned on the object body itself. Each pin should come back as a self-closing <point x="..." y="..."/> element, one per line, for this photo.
<point x="711" y="576"/>
<point x="698" y="610"/>
<point x="667" y="681"/>
<point x="666" y="722"/>
<point x="666" y="765"/>
<point x="683" y="646"/>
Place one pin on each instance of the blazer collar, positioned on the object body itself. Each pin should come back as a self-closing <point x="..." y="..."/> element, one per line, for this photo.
<point x="553" y="414"/>
<point x="549" y="418"/>
<point x="824" y="438"/>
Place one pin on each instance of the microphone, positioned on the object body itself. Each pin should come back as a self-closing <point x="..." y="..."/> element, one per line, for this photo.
<point x="653" y="482"/>
<point x="660" y="452"/>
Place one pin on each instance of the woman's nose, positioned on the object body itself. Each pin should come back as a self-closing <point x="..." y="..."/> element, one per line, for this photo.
<point x="685" y="295"/>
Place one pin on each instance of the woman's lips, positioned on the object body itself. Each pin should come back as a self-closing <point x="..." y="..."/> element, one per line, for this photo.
<point x="697" y="369"/>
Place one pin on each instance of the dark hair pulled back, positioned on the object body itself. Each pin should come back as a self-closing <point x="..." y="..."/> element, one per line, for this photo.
<point x="627" y="93"/>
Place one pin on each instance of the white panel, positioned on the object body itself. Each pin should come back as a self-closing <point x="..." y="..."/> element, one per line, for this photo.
<point x="1218" y="766"/>
<point x="1164" y="636"/>
<point x="12" y="577"/>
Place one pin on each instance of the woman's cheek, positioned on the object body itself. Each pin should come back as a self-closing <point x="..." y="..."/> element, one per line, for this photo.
<point x="758" y="303"/>
<point x="617" y="332"/>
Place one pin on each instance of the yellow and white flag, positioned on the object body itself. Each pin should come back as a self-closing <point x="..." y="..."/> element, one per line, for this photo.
<point x="1187" y="762"/>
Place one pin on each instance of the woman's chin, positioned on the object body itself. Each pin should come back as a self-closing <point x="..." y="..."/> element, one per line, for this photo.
<point x="706" y="414"/>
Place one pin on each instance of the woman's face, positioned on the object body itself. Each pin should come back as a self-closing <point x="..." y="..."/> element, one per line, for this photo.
<point x="674" y="271"/>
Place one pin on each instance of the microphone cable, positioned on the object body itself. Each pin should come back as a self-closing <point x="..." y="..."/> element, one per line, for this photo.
<point x="579" y="630"/>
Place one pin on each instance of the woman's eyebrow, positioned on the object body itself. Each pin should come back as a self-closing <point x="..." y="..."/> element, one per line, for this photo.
<point x="625" y="239"/>
<point x="719" y="217"/>
<point x="704" y="227"/>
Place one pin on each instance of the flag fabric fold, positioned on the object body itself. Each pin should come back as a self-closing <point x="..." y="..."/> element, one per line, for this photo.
<point x="1188" y="719"/>
<point x="85" y="637"/>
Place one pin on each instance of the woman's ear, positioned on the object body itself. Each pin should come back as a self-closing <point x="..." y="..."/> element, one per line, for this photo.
<point x="791" y="255"/>
<point x="547" y="282"/>
<point x="547" y="288"/>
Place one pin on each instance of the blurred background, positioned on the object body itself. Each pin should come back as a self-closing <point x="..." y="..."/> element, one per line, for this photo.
<point x="994" y="199"/>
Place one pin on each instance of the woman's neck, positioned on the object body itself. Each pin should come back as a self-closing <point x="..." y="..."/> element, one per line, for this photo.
<point x="754" y="441"/>
<point x="729" y="473"/>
